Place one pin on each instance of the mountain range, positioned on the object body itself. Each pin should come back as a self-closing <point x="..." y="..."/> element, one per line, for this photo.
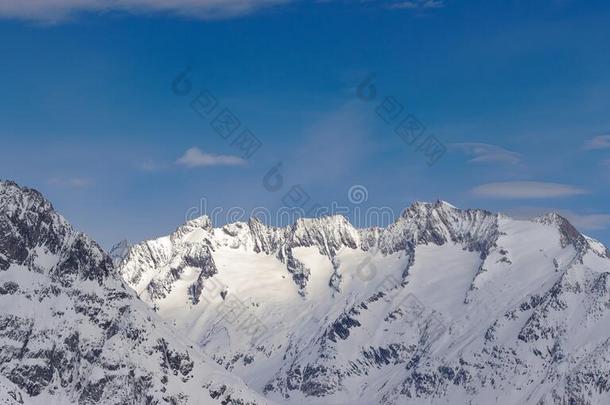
<point x="443" y="306"/>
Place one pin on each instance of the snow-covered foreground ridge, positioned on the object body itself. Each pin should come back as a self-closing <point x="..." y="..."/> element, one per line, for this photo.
<point x="442" y="306"/>
<point x="71" y="331"/>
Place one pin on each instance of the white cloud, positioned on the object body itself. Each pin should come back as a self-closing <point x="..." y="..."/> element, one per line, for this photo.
<point x="526" y="189"/>
<point x="70" y="182"/>
<point x="57" y="10"/>
<point x="599" y="142"/>
<point x="486" y="153"/>
<point x="194" y="157"/>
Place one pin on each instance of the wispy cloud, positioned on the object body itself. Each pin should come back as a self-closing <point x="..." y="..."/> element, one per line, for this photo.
<point x="487" y="153"/>
<point x="73" y="182"/>
<point x="194" y="157"/>
<point x="599" y="142"/>
<point x="54" y="11"/>
<point x="526" y="190"/>
<point x="150" y="165"/>
<point x="588" y="222"/>
<point x="417" y="4"/>
<point x="337" y="141"/>
<point x="58" y="10"/>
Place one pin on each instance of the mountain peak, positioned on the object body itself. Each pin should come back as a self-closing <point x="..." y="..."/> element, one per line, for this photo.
<point x="426" y="206"/>
<point x="446" y="204"/>
<point x="203" y="222"/>
<point x="15" y="199"/>
<point x="119" y="251"/>
<point x="570" y="235"/>
<point x="551" y="218"/>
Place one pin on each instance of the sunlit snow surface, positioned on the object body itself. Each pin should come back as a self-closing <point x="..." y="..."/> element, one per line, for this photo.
<point x="511" y="311"/>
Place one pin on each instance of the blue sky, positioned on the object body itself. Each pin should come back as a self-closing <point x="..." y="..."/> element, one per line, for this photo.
<point x="518" y="93"/>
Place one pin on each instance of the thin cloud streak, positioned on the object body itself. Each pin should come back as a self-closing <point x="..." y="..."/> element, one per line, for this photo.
<point x="55" y="11"/>
<point x="417" y="4"/>
<point x="147" y="166"/>
<point x="59" y="10"/>
<point x="526" y="190"/>
<point x="487" y="153"/>
<point x="591" y="222"/>
<point x="194" y="157"/>
<point x="599" y="142"/>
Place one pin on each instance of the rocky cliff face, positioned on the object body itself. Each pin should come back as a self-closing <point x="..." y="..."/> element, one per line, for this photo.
<point x="72" y="332"/>
<point x="118" y="252"/>
<point x="443" y="306"/>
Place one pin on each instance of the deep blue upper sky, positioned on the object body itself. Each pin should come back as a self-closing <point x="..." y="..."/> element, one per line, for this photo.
<point x="518" y="92"/>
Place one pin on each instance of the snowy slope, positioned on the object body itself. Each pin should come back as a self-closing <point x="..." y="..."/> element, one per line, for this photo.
<point x="72" y="332"/>
<point x="442" y="306"/>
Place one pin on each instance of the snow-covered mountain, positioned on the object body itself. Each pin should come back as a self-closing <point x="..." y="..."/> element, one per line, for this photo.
<point x="442" y="306"/>
<point x="118" y="252"/>
<point x="71" y="331"/>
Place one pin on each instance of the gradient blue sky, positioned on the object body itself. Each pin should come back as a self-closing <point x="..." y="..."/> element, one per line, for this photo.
<point x="518" y="91"/>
